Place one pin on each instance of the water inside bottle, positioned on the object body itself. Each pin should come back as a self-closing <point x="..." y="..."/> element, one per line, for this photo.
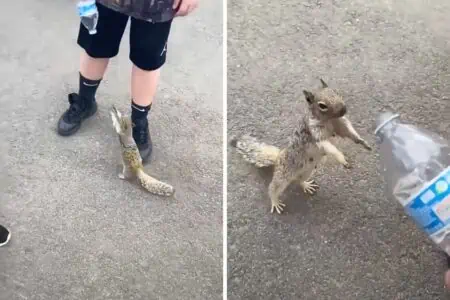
<point x="90" y="22"/>
<point x="416" y="167"/>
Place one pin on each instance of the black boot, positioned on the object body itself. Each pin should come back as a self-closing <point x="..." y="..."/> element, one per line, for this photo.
<point x="79" y="110"/>
<point x="141" y="135"/>
<point x="5" y="235"/>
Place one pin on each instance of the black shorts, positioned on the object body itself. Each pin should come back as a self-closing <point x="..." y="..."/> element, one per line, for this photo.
<point x="148" y="41"/>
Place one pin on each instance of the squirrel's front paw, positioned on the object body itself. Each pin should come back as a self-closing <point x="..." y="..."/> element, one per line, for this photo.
<point x="364" y="144"/>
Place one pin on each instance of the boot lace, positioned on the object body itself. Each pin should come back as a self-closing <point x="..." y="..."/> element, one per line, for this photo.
<point x="75" y="110"/>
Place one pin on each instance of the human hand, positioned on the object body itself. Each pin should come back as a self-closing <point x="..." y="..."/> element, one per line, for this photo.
<point x="184" y="7"/>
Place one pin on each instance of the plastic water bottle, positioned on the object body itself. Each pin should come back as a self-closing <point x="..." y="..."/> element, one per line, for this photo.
<point x="87" y="10"/>
<point x="416" y="167"/>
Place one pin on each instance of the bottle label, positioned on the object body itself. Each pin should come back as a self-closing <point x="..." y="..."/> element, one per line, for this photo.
<point x="430" y="208"/>
<point x="86" y="8"/>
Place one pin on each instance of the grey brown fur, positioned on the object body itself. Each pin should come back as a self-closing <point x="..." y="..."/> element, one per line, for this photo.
<point x="131" y="159"/>
<point x="309" y="145"/>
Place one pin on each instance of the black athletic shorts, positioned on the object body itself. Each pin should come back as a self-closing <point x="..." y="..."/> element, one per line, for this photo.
<point x="148" y="41"/>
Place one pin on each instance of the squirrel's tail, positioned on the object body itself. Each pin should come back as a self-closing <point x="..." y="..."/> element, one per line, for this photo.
<point x="255" y="152"/>
<point x="153" y="185"/>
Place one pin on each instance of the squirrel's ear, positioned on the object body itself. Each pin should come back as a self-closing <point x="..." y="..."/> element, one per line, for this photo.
<point x="309" y="96"/>
<point x="324" y="85"/>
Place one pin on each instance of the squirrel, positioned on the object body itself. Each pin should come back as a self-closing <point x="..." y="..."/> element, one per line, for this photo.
<point x="131" y="159"/>
<point x="308" y="146"/>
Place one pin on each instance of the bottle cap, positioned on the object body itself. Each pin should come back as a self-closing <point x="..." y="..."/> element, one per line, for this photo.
<point x="384" y="118"/>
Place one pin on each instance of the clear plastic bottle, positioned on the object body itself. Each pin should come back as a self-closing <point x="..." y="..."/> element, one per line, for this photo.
<point x="88" y="12"/>
<point x="416" y="167"/>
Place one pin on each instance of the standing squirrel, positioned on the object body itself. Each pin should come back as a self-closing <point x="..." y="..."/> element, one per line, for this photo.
<point x="309" y="145"/>
<point x="131" y="159"/>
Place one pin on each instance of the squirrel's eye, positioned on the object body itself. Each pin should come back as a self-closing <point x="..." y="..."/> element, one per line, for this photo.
<point x="323" y="106"/>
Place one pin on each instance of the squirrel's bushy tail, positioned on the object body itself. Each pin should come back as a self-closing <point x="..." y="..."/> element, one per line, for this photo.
<point x="153" y="185"/>
<point x="255" y="152"/>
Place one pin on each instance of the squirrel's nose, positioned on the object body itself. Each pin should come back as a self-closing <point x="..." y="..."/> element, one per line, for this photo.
<point x="343" y="111"/>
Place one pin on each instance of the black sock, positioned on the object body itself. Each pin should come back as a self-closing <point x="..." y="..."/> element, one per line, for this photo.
<point x="139" y="112"/>
<point x="88" y="88"/>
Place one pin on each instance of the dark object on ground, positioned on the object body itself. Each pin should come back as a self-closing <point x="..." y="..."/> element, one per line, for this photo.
<point x="5" y="236"/>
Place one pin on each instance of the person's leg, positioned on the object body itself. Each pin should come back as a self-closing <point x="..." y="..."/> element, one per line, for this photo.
<point x="92" y="68"/>
<point x="91" y="74"/>
<point x="5" y="235"/>
<point x="143" y="85"/>
<point x="98" y="49"/>
<point x="148" y="47"/>
<point x="143" y="89"/>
